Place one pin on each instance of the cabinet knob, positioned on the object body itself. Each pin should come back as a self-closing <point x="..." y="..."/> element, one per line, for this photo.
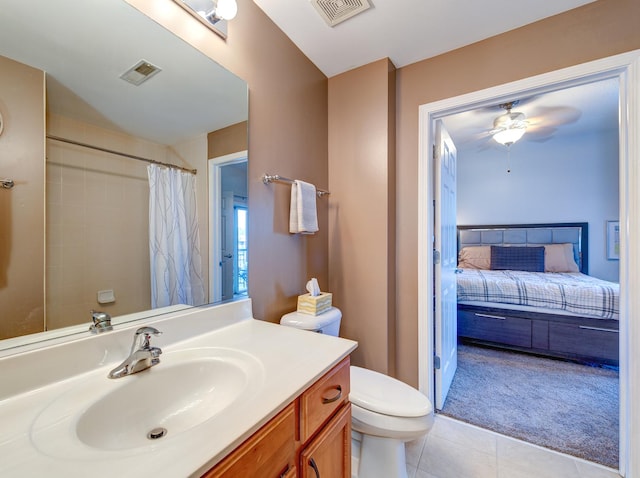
<point x="335" y="397"/>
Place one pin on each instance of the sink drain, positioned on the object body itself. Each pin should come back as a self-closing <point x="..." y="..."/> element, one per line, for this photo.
<point x="156" y="433"/>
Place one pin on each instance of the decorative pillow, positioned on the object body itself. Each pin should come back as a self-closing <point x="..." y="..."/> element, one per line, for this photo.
<point x="529" y="259"/>
<point x="475" y="257"/>
<point x="559" y="258"/>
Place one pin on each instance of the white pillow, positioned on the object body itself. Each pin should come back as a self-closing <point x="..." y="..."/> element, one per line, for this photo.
<point x="559" y="258"/>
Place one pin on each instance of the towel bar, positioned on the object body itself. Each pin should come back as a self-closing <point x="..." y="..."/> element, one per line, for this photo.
<point x="269" y="178"/>
<point x="7" y="183"/>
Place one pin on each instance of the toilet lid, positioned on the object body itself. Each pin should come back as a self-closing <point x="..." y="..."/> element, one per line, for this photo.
<point x="383" y="394"/>
<point x="300" y="320"/>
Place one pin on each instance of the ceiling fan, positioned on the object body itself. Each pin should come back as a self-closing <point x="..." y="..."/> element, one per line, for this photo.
<point x="509" y="127"/>
<point x="537" y="123"/>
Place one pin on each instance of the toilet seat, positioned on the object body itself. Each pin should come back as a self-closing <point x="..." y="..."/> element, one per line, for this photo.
<point x="385" y="395"/>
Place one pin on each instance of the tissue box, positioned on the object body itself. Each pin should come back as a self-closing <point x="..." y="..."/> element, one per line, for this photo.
<point x="314" y="305"/>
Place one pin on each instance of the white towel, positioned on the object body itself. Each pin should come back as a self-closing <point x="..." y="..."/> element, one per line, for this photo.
<point x="303" y="217"/>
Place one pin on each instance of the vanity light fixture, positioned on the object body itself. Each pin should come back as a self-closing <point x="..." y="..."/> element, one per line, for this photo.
<point x="213" y="13"/>
<point x="509" y="127"/>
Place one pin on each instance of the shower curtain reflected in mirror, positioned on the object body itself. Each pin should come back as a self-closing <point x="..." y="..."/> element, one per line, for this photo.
<point x="176" y="265"/>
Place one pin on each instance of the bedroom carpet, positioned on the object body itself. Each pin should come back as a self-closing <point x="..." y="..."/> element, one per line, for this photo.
<point x="564" y="406"/>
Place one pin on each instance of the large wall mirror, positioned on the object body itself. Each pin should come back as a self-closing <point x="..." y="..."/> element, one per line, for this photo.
<point x="75" y="233"/>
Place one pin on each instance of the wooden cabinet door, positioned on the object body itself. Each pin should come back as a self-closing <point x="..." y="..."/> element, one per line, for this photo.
<point x="269" y="453"/>
<point x="328" y="455"/>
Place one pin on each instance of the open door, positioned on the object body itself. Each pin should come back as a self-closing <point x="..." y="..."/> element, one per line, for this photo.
<point x="445" y="263"/>
<point x="227" y="225"/>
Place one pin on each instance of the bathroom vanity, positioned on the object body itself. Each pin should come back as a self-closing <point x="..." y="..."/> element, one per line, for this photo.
<point x="310" y="437"/>
<point x="235" y="397"/>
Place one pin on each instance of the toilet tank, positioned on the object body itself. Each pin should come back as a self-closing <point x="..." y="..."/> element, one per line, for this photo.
<point x="326" y="323"/>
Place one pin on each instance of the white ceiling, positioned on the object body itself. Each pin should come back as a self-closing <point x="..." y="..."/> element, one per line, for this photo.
<point x="84" y="46"/>
<point x="406" y="31"/>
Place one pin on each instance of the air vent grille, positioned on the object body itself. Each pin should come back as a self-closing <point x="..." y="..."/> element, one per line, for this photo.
<point x="337" y="11"/>
<point x="140" y="72"/>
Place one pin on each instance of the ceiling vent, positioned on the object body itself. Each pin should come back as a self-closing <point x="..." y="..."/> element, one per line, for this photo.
<point x="140" y="72"/>
<point x="337" y="11"/>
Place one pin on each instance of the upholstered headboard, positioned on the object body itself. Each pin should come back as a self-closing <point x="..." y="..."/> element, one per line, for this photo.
<point x="576" y="233"/>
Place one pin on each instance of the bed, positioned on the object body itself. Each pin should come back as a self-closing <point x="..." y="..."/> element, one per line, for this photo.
<point x="526" y="287"/>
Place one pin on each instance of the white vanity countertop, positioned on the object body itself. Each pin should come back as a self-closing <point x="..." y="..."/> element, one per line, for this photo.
<point x="290" y="361"/>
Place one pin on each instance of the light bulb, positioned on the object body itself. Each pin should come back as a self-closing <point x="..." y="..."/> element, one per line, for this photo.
<point x="509" y="136"/>
<point x="227" y="9"/>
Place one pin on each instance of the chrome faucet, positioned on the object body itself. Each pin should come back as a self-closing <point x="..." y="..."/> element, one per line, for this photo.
<point x="101" y="322"/>
<point x="142" y="355"/>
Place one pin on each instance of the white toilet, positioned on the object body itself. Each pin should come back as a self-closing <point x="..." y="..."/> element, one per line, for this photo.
<point x="385" y="412"/>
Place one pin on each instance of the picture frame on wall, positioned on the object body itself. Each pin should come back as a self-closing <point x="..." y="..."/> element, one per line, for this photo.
<point x="613" y="240"/>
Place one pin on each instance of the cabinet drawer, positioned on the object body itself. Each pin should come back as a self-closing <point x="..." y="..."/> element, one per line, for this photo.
<point x="269" y="453"/>
<point x="494" y="327"/>
<point x="320" y="401"/>
<point x="584" y="340"/>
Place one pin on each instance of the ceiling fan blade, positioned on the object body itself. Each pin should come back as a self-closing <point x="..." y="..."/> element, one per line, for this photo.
<point x="540" y="133"/>
<point x="555" y="115"/>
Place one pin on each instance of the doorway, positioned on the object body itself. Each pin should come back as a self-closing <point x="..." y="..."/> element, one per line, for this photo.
<point x="624" y="68"/>
<point x="228" y="211"/>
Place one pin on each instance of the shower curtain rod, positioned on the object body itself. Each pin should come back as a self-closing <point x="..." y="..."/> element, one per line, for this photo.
<point x="118" y="153"/>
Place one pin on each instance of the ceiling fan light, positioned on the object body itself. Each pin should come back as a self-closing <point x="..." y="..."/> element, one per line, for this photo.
<point x="509" y="136"/>
<point x="509" y="128"/>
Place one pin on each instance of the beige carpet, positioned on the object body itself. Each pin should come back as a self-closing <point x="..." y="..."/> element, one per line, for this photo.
<point x="564" y="406"/>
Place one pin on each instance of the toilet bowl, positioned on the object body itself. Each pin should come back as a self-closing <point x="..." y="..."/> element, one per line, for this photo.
<point x="385" y="412"/>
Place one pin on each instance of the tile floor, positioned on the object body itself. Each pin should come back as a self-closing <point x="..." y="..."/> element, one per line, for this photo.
<point x="454" y="449"/>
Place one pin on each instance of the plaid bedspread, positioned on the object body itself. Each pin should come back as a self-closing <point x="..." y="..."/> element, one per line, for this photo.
<point x="573" y="292"/>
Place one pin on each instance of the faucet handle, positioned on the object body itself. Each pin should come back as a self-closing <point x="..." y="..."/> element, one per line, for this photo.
<point x="146" y="333"/>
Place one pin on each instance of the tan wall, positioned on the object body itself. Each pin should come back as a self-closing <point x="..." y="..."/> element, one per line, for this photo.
<point x="97" y="223"/>
<point x="287" y="136"/>
<point x="229" y="140"/>
<point x="98" y="219"/>
<point x="22" y="208"/>
<point x="597" y="30"/>
<point x="362" y="210"/>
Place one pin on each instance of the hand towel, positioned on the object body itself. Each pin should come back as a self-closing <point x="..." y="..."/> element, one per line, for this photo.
<point x="303" y="217"/>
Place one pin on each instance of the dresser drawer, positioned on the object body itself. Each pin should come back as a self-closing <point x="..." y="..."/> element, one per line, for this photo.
<point x="585" y="341"/>
<point x="494" y="327"/>
<point x="323" y="398"/>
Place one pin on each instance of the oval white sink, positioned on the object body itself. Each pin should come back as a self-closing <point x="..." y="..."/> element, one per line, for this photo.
<point x="186" y="389"/>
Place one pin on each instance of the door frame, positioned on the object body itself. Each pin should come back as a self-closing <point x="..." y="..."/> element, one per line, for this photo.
<point x="626" y="68"/>
<point x="214" y="166"/>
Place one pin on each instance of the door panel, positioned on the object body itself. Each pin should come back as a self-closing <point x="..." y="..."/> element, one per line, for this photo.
<point x="445" y="280"/>
<point x="227" y="245"/>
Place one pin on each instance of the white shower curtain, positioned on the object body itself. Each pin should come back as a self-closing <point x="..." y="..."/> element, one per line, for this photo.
<point x="174" y="239"/>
